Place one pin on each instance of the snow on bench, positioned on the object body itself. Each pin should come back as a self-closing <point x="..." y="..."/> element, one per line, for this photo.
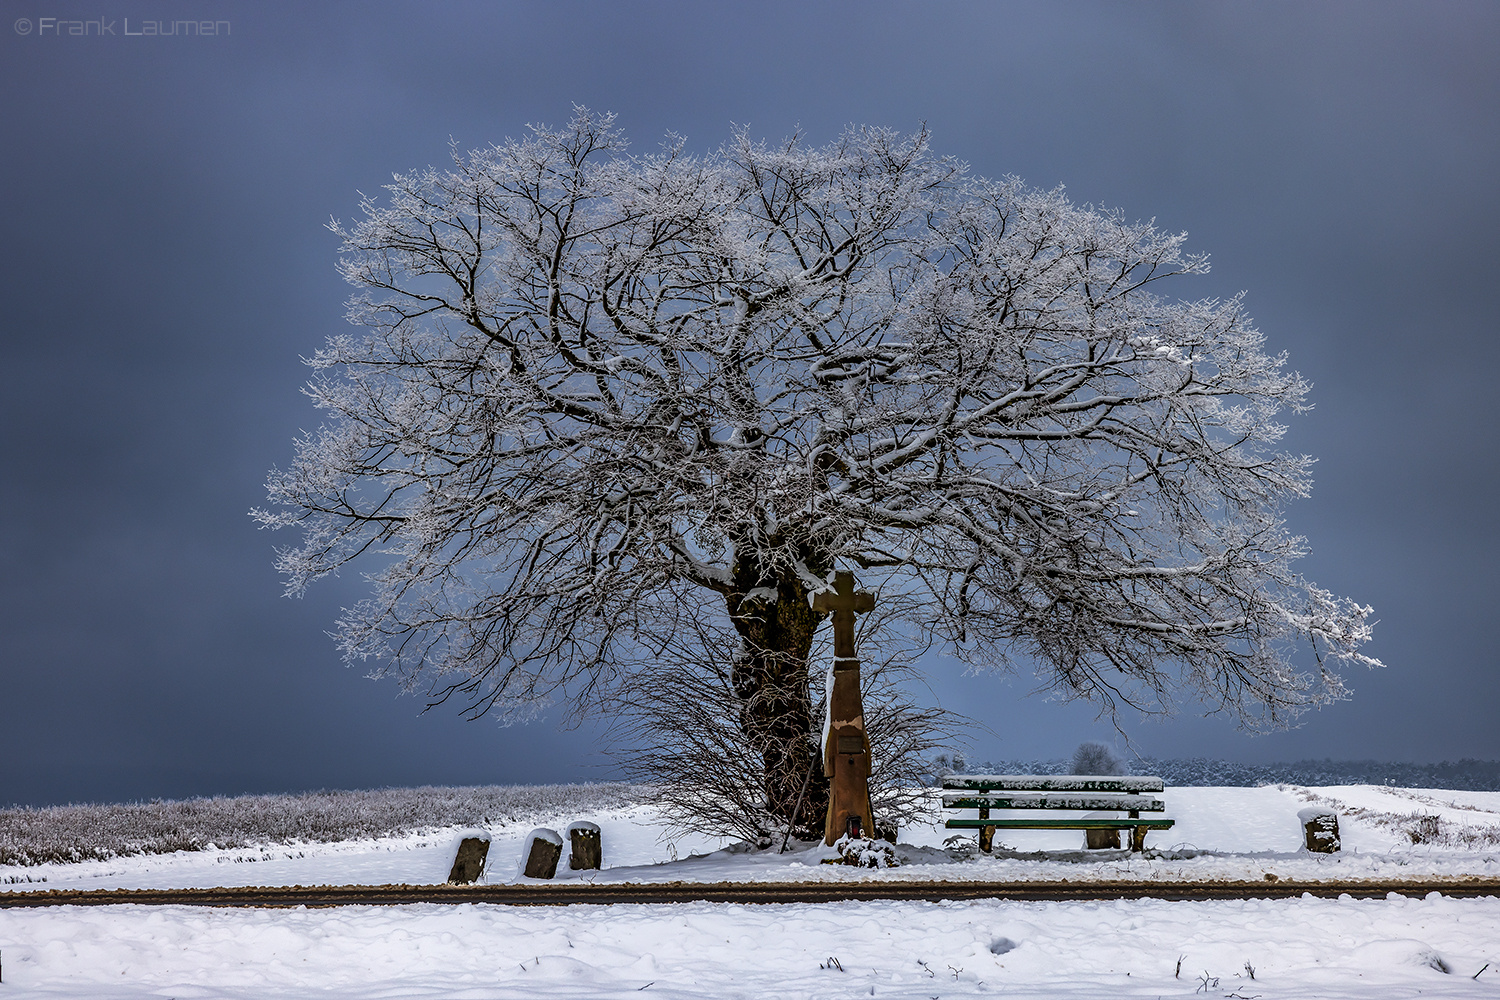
<point x="1089" y="793"/>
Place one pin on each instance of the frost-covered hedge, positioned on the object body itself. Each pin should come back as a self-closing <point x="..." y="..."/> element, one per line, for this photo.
<point x="31" y="836"/>
<point x="1470" y="775"/>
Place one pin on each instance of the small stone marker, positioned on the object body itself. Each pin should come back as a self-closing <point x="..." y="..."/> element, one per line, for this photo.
<point x="585" y="848"/>
<point x="470" y="860"/>
<point x="1320" y="825"/>
<point x="545" y="848"/>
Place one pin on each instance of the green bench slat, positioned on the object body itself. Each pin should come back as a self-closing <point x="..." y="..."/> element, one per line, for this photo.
<point x="1049" y="800"/>
<point x="1053" y="783"/>
<point x="1061" y="824"/>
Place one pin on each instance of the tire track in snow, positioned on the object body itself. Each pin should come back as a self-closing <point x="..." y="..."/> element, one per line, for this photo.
<point x="574" y="893"/>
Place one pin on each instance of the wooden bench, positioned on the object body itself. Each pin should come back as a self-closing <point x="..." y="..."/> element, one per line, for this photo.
<point x="1027" y="793"/>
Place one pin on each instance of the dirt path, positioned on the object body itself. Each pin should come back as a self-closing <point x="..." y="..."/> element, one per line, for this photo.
<point x="569" y="893"/>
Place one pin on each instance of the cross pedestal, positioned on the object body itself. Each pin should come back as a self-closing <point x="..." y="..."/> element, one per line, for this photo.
<point x="846" y="753"/>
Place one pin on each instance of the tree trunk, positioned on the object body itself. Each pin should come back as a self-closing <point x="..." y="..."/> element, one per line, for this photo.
<point x="771" y="679"/>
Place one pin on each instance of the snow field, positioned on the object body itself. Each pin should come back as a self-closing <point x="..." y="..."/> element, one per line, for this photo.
<point x="1300" y="948"/>
<point x="35" y="835"/>
<point x="1221" y="833"/>
<point x="634" y="837"/>
<point x="1379" y="949"/>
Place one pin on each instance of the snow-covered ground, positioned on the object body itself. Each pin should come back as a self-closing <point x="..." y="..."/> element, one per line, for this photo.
<point x="1383" y="948"/>
<point x="1220" y="833"/>
<point x="1300" y="948"/>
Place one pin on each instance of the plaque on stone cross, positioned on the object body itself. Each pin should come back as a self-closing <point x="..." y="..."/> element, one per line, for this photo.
<point x="846" y="751"/>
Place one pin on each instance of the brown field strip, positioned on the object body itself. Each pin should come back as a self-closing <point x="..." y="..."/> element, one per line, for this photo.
<point x="573" y="893"/>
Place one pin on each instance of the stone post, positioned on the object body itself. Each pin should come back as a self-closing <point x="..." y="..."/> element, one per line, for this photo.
<point x="543" y="849"/>
<point x="469" y="861"/>
<point x="585" y="847"/>
<point x="1320" y="828"/>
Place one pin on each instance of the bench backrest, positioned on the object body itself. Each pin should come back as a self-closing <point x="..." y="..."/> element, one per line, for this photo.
<point x="1133" y="784"/>
<point x="1081" y="801"/>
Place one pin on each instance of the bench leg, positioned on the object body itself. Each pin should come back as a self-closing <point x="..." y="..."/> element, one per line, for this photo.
<point x="986" y="838"/>
<point x="1138" y="839"/>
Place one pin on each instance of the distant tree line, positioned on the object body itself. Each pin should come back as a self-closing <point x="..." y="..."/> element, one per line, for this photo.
<point x="1464" y="775"/>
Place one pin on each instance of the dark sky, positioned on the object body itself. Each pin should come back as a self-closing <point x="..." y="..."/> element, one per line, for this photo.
<point x="165" y="264"/>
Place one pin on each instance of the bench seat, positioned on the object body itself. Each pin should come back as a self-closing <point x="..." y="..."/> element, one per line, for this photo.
<point x="1092" y="823"/>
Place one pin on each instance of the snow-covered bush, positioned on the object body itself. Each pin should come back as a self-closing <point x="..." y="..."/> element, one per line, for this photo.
<point x="945" y="764"/>
<point x="862" y="852"/>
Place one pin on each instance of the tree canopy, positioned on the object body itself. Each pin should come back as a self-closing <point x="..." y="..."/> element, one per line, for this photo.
<point x="599" y="394"/>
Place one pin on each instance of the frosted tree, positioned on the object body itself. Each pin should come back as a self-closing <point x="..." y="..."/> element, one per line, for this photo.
<point x="600" y="396"/>
<point x="1093" y="757"/>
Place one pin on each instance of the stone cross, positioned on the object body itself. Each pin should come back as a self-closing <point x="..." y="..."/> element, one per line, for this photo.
<point x="846" y="753"/>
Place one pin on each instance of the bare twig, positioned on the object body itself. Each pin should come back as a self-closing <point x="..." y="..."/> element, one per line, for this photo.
<point x="798" y="807"/>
